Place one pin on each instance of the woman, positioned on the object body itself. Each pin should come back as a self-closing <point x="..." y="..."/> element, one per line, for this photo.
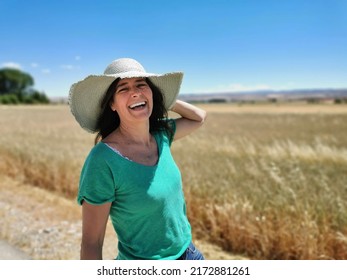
<point x="130" y="175"/>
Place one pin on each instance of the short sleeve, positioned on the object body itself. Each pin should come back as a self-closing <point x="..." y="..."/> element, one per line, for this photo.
<point x="96" y="185"/>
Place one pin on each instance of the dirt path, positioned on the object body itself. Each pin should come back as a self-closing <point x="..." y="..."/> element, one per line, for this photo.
<point x="9" y="252"/>
<point x="38" y="224"/>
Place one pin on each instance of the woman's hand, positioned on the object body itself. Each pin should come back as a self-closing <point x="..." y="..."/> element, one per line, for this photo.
<point x="191" y="118"/>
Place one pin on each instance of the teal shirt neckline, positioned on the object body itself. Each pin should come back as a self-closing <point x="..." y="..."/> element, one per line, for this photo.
<point x="132" y="161"/>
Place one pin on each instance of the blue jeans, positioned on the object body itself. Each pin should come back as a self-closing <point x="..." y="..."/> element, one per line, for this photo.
<point x="191" y="254"/>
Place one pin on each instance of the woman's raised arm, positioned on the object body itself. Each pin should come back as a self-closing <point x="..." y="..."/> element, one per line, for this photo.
<point x="191" y="118"/>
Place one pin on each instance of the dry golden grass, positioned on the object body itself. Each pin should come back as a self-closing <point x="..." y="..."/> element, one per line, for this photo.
<point x="279" y="108"/>
<point x="267" y="181"/>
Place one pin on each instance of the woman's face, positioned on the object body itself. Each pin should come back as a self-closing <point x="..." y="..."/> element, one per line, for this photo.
<point x="133" y="99"/>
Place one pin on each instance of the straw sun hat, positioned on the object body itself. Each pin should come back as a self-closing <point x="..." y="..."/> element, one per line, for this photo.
<point x="86" y="95"/>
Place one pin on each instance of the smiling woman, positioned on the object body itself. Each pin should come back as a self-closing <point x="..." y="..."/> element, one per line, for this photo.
<point x="134" y="94"/>
<point x="109" y="118"/>
<point x="130" y="174"/>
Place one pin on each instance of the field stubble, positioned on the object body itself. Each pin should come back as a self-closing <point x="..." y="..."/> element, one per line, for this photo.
<point x="266" y="182"/>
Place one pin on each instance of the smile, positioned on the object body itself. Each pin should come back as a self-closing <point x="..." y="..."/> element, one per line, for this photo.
<point x="137" y="105"/>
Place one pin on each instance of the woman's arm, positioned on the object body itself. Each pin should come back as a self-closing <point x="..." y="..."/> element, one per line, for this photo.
<point x="191" y="118"/>
<point x="94" y="221"/>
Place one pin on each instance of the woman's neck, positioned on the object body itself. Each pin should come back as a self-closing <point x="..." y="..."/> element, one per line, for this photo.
<point x="135" y="133"/>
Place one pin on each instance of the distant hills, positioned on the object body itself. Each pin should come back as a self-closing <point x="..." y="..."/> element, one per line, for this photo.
<point x="309" y="95"/>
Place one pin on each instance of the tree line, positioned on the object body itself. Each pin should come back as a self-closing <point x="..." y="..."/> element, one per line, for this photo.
<point x="16" y="87"/>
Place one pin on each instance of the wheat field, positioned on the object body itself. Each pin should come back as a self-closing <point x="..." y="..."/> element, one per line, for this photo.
<point x="265" y="181"/>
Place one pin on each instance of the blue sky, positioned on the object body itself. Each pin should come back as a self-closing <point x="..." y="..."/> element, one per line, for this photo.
<point x="220" y="45"/>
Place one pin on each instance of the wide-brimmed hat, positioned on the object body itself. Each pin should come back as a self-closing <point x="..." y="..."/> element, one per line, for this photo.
<point x="85" y="96"/>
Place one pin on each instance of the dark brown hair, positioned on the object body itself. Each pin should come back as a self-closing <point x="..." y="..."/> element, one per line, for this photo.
<point x="109" y="120"/>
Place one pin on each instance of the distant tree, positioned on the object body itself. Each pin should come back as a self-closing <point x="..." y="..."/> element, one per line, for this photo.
<point x="272" y="100"/>
<point x="313" y="100"/>
<point x="14" y="81"/>
<point x="17" y="87"/>
<point x="217" y="100"/>
<point x="35" y="98"/>
<point x="9" y="99"/>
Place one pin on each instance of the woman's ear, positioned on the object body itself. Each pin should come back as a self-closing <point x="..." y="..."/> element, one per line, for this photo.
<point x="112" y="106"/>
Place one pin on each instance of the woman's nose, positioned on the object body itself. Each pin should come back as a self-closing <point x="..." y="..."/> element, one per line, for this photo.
<point x="135" y="91"/>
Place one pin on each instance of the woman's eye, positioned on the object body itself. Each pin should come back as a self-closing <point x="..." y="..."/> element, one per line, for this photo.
<point x="122" y="90"/>
<point x="142" y="85"/>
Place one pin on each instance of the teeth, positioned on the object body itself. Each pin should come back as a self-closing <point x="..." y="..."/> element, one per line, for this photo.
<point x="137" y="104"/>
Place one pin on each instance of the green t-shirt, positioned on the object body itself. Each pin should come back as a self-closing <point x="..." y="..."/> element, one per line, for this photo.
<point x="148" y="209"/>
